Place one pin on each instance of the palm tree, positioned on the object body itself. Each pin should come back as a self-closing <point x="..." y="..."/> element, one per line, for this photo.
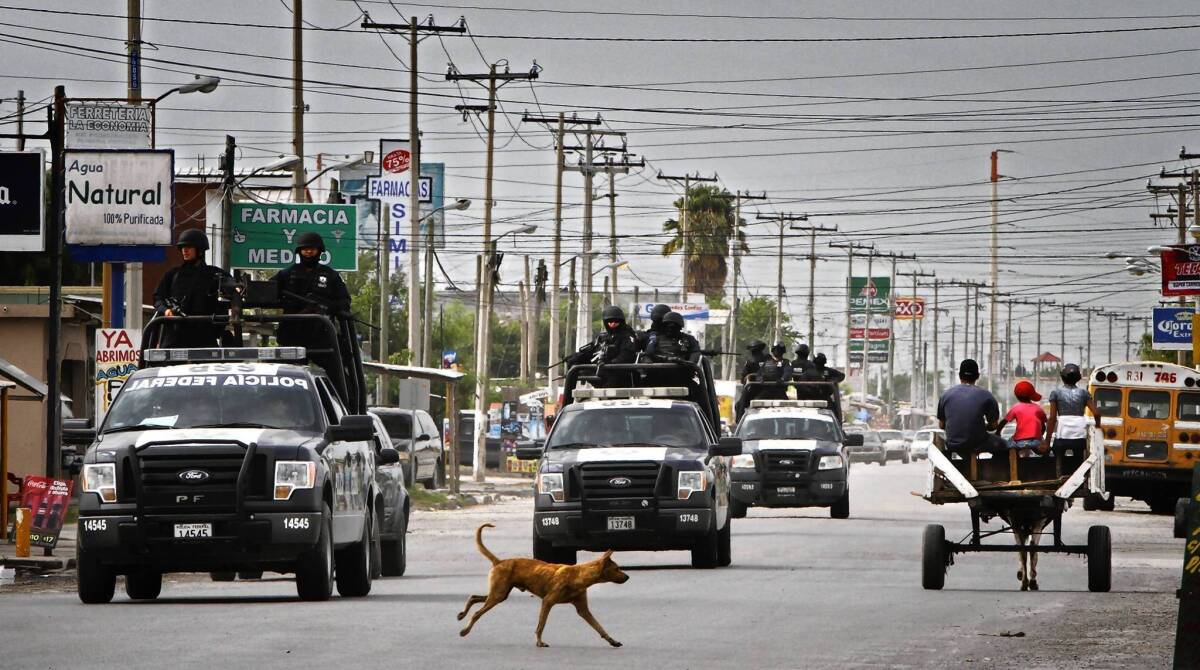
<point x="710" y="225"/>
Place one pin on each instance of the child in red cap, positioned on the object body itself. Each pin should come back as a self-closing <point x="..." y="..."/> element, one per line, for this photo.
<point x="1031" y="421"/>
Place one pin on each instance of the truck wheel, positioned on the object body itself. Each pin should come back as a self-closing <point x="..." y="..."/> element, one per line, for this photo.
<point x="143" y="585"/>
<point x="1162" y="505"/>
<point x="439" y="476"/>
<point x="706" y="553"/>
<point x="933" y="558"/>
<point x="1099" y="548"/>
<point x="410" y="473"/>
<point x="395" y="552"/>
<point x="314" y="570"/>
<point x="737" y="508"/>
<point x="841" y="508"/>
<point x="724" y="545"/>
<point x="249" y="574"/>
<point x="1181" y="514"/>
<point x="95" y="583"/>
<point x="905" y="458"/>
<point x="544" y="551"/>
<point x="354" y="565"/>
<point x="883" y="459"/>
<point x="223" y="575"/>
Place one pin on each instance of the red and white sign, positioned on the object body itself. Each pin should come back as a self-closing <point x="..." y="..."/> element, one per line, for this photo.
<point x="1181" y="270"/>
<point x="880" y="326"/>
<point x="910" y="307"/>
<point x="397" y="161"/>
<point x="116" y="358"/>
<point x="47" y="499"/>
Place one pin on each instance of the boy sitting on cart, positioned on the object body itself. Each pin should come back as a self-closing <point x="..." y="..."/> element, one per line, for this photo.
<point x="1030" y="435"/>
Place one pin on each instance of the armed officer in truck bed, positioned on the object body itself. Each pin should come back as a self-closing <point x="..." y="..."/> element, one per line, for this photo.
<point x="190" y="289"/>
<point x="616" y="343"/>
<point x="312" y="287"/>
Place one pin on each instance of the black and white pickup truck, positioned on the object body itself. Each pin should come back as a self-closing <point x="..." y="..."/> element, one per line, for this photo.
<point x="639" y="468"/>
<point x="240" y="467"/>
<point x="795" y="456"/>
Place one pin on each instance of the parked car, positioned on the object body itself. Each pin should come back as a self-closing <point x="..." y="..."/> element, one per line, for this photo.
<point x="894" y="444"/>
<point x="466" y="443"/>
<point x="423" y="459"/>
<point x="871" y="450"/>
<point x="922" y="440"/>
<point x="395" y="507"/>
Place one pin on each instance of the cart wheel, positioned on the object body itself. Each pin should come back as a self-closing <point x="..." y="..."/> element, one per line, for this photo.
<point x="933" y="558"/>
<point x="1181" y="513"/>
<point x="1099" y="559"/>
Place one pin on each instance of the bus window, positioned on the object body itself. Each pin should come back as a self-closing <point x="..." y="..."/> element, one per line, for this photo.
<point x="1108" y="401"/>
<point x="1149" y="404"/>
<point x="1189" y="407"/>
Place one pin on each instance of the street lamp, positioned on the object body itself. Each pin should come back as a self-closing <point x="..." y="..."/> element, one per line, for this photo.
<point x="198" y="85"/>
<point x="367" y="157"/>
<point x="285" y="162"/>
<point x="611" y="266"/>
<point x="523" y="230"/>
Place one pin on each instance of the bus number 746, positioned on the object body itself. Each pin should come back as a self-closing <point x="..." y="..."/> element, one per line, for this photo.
<point x="1164" y="377"/>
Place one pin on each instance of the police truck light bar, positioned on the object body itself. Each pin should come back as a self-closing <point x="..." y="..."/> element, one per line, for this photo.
<point x="648" y="392"/>
<point x="218" y="354"/>
<point x="820" y="404"/>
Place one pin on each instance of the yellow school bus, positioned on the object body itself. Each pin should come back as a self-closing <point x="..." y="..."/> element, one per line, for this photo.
<point x="1150" y="417"/>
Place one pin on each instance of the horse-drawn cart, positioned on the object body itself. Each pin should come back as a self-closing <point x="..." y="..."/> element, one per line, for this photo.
<point x="1026" y="494"/>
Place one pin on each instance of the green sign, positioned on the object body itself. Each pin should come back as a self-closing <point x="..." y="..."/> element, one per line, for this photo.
<point x="264" y="235"/>
<point x="880" y="292"/>
<point x="876" y="346"/>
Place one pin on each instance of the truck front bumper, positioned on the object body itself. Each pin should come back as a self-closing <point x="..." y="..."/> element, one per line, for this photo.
<point x="659" y="527"/>
<point x="820" y="489"/>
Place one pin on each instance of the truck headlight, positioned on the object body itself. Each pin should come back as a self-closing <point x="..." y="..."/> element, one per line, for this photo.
<point x="829" y="462"/>
<point x="292" y="475"/>
<point x="690" y="481"/>
<point x="742" y="462"/>
<point x="101" y="479"/>
<point x="551" y="483"/>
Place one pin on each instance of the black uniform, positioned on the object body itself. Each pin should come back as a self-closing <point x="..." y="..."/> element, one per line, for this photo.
<point x="774" y="368"/>
<point x="314" y="288"/>
<point x="670" y="342"/>
<point x="614" y="345"/>
<point x="656" y="321"/>
<point x="191" y="289"/>
<point x="819" y="373"/>
<point x="801" y="363"/>
<point x="749" y="373"/>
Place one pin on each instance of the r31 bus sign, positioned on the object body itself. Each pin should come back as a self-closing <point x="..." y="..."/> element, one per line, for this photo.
<point x="1173" y="328"/>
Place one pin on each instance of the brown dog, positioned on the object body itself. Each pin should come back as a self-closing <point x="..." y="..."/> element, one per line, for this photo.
<point x="551" y="582"/>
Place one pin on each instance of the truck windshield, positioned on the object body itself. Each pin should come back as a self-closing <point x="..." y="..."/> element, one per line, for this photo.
<point x="787" y="428"/>
<point x="629" y="426"/>
<point x="190" y="401"/>
<point x="399" y="426"/>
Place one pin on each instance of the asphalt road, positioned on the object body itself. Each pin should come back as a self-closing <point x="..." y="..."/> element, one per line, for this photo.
<point x="804" y="591"/>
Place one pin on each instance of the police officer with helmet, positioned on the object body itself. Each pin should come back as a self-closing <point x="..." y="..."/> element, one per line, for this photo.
<point x="192" y="288"/>
<point x="657" y="313"/>
<point x="616" y="344"/>
<point x="775" y="368"/>
<point x="312" y="287"/>
<point x="757" y="349"/>
<point x="671" y="343"/>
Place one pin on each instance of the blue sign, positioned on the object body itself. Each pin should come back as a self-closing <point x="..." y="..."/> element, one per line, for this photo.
<point x="1173" y="328"/>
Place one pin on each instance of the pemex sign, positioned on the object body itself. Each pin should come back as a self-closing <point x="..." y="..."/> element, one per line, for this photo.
<point x="878" y="291"/>
<point x="264" y="234"/>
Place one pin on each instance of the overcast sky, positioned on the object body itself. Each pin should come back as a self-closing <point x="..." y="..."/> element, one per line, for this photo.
<point x="888" y="139"/>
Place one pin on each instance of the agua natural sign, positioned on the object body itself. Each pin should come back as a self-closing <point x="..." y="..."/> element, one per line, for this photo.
<point x="120" y="197"/>
<point x="264" y="235"/>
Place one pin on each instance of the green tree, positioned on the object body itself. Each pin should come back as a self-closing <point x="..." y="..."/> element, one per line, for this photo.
<point x="1147" y="352"/>
<point x="710" y="214"/>
<point x="364" y="303"/>
<point x="756" y="321"/>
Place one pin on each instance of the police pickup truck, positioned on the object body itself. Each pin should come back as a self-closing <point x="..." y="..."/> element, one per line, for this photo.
<point x="795" y="456"/>
<point x="639" y="468"/>
<point x="233" y="465"/>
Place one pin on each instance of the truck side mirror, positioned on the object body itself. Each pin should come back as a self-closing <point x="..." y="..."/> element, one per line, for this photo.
<point x="388" y="456"/>
<point x="726" y="446"/>
<point x="353" y="428"/>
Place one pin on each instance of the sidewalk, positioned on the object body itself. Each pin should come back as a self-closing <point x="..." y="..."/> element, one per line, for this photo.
<point x="63" y="558"/>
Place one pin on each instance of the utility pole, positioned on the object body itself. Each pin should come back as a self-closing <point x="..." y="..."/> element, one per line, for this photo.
<point x="21" y="120"/>
<point x="494" y="81"/>
<point x="1088" y="312"/>
<point x="133" y="270"/>
<point x="937" y="371"/>
<point x="729" y="362"/>
<point x="995" y="274"/>
<point x="297" y="97"/>
<point x="780" y="219"/>
<point x="891" y="342"/>
<point x="812" y="280"/>
<point x="1180" y="192"/>
<point x="559" y="124"/>
<point x="912" y="386"/>
<point x="588" y="167"/>
<point x="684" y="215"/>
<point x="1062" y="336"/>
<point x="418" y="344"/>
<point x="1111" y="316"/>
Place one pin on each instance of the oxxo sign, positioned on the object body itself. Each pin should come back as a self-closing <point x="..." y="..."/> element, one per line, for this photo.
<point x="264" y="235"/>
<point x="910" y="307"/>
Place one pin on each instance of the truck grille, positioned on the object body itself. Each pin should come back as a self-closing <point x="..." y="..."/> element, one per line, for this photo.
<point x="608" y="480"/>
<point x="1146" y="451"/>
<point x="163" y="491"/>
<point x="785" y="466"/>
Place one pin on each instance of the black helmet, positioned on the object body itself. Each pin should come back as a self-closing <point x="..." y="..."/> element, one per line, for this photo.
<point x="310" y="238"/>
<point x="778" y="349"/>
<point x="612" y="313"/>
<point x="193" y="237"/>
<point x="1070" y="373"/>
<point x="819" y="360"/>
<point x="756" y="345"/>
<point x="802" y="350"/>
<point x="673" y="319"/>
